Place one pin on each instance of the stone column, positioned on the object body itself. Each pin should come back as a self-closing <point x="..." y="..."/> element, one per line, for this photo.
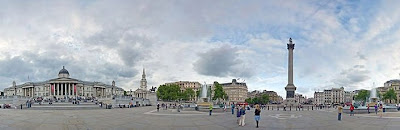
<point x="69" y="89"/>
<point x="82" y="90"/>
<point x="24" y="89"/>
<point x="55" y="89"/>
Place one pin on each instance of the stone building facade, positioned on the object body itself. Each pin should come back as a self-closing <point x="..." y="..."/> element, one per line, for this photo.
<point x="63" y="86"/>
<point x="333" y="96"/>
<point x="391" y="84"/>
<point x="274" y="98"/>
<point x="194" y="85"/>
<point x="142" y="91"/>
<point x="236" y="91"/>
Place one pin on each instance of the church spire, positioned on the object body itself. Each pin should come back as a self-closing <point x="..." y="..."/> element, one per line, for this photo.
<point x="143" y="82"/>
<point x="144" y="74"/>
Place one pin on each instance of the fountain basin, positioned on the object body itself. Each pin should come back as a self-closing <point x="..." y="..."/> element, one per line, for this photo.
<point x="363" y="109"/>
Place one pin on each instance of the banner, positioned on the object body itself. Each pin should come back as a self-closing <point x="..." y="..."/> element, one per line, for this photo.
<point x="52" y="89"/>
<point x="74" y="89"/>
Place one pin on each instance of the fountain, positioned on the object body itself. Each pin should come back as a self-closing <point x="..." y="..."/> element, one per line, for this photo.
<point x="372" y="98"/>
<point x="203" y="99"/>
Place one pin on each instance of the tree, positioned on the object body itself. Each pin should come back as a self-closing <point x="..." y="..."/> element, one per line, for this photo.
<point x="264" y="99"/>
<point x="390" y="95"/>
<point x="249" y="101"/>
<point x="190" y="93"/>
<point x="362" y="95"/>
<point x="198" y="93"/>
<point x="169" y="92"/>
<point x="219" y="92"/>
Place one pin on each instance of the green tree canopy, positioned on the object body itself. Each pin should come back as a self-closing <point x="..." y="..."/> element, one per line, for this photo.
<point x="188" y="94"/>
<point x="390" y="95"/>
<point x="169" y="92"/>
<point x="362" y="95"/>
<point x="264" y="99"/>
<point x="249" y="101"/>
<point x="219" y="92"/>
<point x="198" y="93"/>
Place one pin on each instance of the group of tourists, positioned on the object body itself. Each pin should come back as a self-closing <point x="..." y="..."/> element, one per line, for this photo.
<point x="241" y="113"/>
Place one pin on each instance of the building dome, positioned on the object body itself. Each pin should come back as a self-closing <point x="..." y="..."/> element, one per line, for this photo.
<point x="63" y="71"/>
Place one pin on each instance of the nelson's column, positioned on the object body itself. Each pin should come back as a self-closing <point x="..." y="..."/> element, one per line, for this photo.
<point x="290" y="88"/>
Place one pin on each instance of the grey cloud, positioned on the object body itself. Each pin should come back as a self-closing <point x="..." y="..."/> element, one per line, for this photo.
<point x="352" y="76"/>
<point x="361" y="56"/>
<point x="221" y="62"/>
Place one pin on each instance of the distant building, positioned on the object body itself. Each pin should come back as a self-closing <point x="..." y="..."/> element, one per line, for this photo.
<point x="274" y="98"/>
<point x="196" y="86"/>
<point x="236" y="91"/>
<point x="63" y="87"/>
<point x="142" y="91"/>
<point x="299" y="98"/>
<point x="319" y="98"/>
<point x="253" y="94"/>
<point x="333" y="96"/>
<point x="391" y="84"/>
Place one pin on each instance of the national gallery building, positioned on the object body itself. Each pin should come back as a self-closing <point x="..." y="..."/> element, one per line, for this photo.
<point x="63" y="86"/>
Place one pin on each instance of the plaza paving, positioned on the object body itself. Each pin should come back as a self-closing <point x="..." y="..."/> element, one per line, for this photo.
<point x="149" y="118"/>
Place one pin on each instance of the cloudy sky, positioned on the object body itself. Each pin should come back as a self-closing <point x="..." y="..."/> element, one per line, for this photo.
<point x="338" y="43"/>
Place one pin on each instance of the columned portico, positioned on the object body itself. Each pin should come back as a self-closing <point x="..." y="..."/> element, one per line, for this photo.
<point x="62" y="87"/>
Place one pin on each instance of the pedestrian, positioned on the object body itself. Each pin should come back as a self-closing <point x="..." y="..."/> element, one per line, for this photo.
<point x="380" y="110"/>
<point x="340" y="110"/>
<point x="211" y="107"/>
<point x="351" y="110"/>
<point x="284" y="107"/>
<point x="238" y="114"/>
<point x="376" y="109"/>
<point x="224" y="108"/>
<point x="233" y="108"/>
<point x="158" y="107"/>
<point x="242" y="115"/>
<point x="368" y="109"/>
<point x="257" y="114"/>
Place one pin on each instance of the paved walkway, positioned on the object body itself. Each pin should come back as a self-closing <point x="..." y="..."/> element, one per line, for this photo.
<point x="148" y="118"/>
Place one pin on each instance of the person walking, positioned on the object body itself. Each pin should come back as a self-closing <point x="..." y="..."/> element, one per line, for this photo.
<point x="368" y="109"/>
<point x="376" y="109"/>
<point x="242" y="115"/>
<point x="158" y="107"/>
<point x="351" y="110"/>
<point x="211" y="107"/>
<point x="238" y="114"/>
<point x="284" y="107"/>
<point x="257" y="114"/>
<point x="233" y="108"/>
<point x="340" y="110"/>
<point x="380" y="110"/>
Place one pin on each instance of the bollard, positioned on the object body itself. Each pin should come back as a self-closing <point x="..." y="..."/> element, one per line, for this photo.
<point x="268" y="107"/>
<point x="290" y="108"/>
<point x="312" y="107"/>
<point x="308" y="108"/>
<point x="277" y="107"/>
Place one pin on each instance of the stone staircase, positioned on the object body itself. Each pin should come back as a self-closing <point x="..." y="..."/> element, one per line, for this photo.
<point x="65" y="106"/>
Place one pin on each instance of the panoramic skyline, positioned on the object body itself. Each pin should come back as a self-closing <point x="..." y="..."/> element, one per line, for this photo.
<point x="338" y="43"/>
